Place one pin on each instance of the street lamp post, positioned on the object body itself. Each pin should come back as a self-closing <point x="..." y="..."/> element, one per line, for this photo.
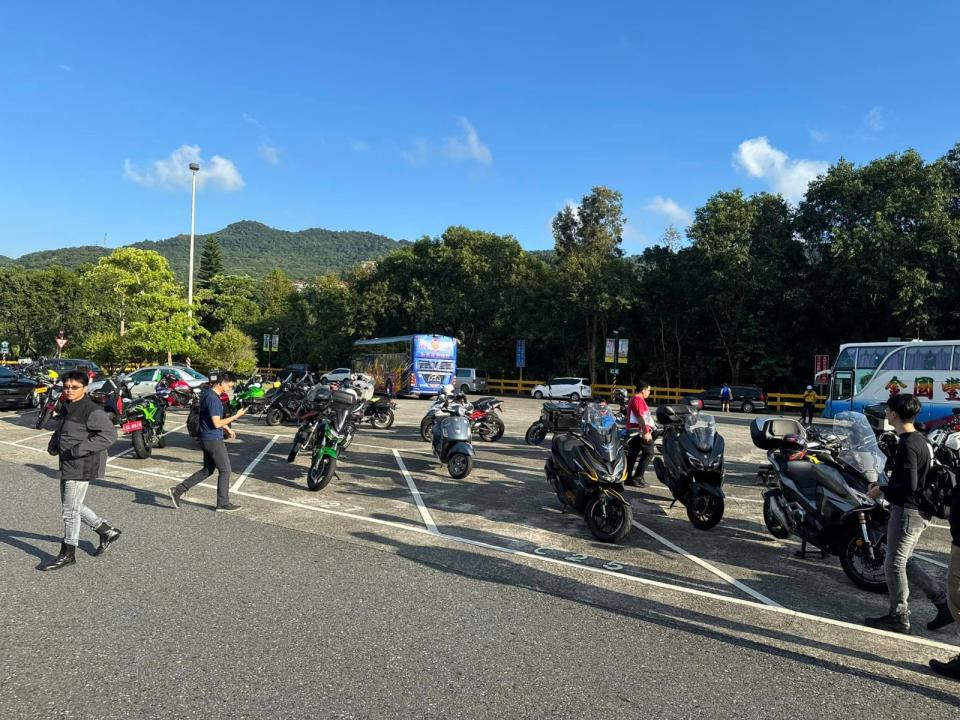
<point x="194" y="167"/>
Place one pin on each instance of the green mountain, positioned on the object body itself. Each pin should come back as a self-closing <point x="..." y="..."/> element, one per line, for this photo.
<point x="248" y="247"/>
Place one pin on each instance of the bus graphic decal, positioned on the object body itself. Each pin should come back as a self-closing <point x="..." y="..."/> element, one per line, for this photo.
<point x="923" y="387"/>
<point x="952" y="388"/>
<point x="895" y="386"/>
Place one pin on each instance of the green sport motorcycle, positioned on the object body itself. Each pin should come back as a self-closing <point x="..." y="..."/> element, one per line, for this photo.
<point x="143" y="420"/>
<point x="326" y="432"/>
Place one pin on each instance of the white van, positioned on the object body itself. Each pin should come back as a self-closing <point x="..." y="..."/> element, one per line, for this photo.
<point x="929" y="369"/>
<point x="470" y="380"/>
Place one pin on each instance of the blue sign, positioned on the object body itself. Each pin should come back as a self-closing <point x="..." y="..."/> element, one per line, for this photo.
<point x="521" y="353"/>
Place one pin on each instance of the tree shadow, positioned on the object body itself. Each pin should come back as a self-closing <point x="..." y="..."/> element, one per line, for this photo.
<point x="697" y="624"/>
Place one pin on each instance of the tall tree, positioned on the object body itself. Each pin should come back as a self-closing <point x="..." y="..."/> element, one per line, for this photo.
<point x="211" y="262"/>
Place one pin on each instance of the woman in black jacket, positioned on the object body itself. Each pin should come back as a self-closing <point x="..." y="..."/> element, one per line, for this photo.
<point x="80" y="442"/>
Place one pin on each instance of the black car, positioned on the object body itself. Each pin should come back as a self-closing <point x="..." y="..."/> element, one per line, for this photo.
<point x="64" y="365"/>
<point x="15" y="391"/>
<point x="747" y="398"/>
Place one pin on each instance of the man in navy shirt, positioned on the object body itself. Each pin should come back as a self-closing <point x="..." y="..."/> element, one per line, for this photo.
<point x="213" y="429"/>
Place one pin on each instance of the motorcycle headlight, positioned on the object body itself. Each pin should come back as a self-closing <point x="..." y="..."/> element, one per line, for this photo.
<point x="695" y="461"/>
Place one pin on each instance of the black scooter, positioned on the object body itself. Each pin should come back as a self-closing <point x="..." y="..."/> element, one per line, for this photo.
<point x="692" y="462"/>
<point x="452" y="444"/>
<point x="586" y="469"/>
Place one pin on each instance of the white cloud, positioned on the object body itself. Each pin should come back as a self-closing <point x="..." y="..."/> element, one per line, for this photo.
<point x="269" y="153"/>
<point x="818" y="136"/>
<point x="670" y="209"/>
<point x="174" y="174"/>
<point x="417" y="155"/>
<point x="790" y="178"/>
<point x="251" y="120"/>
<point x="875" y="119"/>
<point x="469" y="146"/>
<point x="360" y="146"/>
<point x="66" y="68"/>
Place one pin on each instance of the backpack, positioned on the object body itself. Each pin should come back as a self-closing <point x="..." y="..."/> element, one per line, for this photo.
<point x="935" y="492"/>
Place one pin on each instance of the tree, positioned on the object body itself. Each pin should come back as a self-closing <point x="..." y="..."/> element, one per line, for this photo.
<point x="671" y="239"/>
<point x="211" y="262"/>
<point x="587" y="240"/>
<point x="229" y="300"/>
<point x="229" y="349"/>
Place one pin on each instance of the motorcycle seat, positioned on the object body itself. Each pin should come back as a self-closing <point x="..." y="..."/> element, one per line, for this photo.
<point x="808" y="476"/>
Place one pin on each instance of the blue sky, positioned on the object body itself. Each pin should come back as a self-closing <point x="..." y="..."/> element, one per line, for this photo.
<point x="405" y="118"/>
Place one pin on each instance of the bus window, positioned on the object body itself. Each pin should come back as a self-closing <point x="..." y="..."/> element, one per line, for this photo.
<point x="956" y="357"/>
<point x="847" y="359"/>
<point x="894" y="362"/>
<point x="869" y="357"/>
<point x="928" y="358"/>
<point x="842" y="386"/>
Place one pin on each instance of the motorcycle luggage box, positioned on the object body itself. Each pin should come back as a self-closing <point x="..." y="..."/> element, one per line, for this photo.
<point x="672" y="414"/>
<point x="454" y="428"/>
<point x="344" y="397"/>
<point x="770" y="433"/>
<point x="561" y="416"/>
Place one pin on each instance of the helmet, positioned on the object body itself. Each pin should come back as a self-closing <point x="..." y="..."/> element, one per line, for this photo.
<point x="447" y="389"/>
<point x="809" y="387"/>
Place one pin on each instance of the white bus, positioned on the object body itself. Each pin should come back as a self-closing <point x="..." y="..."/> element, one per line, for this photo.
<point x="869" y="373"/>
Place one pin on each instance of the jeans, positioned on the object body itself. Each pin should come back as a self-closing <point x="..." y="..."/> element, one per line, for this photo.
<point x="72" y="493"/>
<point x="214" y="458"/>
<point x="953" y="582"/>
<point x="903" y="531"/>
<point x="806" y="415"/>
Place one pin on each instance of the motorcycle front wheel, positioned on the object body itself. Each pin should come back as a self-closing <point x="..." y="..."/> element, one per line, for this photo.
<point x="536" y="434"/>
<point x="274" y="416"/>
<point x="321" y="471"/>
<point x="705" y="510"/>
<point x="42" y="418"/>
<point x="609" y="519"/>
<point x="769" y="519"/>
<point x="857" y="565"/>
<point x="426" y="429"/>
<point x="382" y="420"/>
<point x="459" y="465"/>
<point x="141" y="448"/>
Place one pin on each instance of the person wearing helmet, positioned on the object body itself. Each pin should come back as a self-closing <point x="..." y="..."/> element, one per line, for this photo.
<point x="809" y="403"/>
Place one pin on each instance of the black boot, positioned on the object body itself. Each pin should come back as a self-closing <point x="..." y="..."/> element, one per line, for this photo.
<point x="950" y="669"/>
<point x="891" y="623"/>
<point x="66" y="557"/>
<point x="108" y="536"/>
<point x="943" y="618"/>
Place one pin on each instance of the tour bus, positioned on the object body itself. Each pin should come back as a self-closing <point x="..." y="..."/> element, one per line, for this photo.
<point x="415" y="364"/>
<point x="929" y="369"/>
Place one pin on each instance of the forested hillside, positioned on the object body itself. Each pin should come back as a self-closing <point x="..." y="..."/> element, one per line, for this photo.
<point x="248" y="247"/>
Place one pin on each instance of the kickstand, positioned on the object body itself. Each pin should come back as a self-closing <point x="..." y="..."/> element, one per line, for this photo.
<point x="671" y="505"/>
<point x="802" y="552"/>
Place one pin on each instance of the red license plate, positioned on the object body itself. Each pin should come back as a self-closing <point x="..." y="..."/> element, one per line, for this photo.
<point x="133" y="426"/>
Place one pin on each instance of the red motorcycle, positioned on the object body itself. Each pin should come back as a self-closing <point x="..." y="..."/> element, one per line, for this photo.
<point x="484" y="419"/>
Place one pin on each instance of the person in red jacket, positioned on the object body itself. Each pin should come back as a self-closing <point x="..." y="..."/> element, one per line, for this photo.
<point x="641" y="444"/>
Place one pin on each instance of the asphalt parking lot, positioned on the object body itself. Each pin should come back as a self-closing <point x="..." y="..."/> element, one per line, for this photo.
<point x="484" y="557"/>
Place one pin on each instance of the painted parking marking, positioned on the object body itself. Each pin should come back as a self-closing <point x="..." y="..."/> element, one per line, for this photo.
<point x="33" y="437"/>
<point x="131" y="448"/>
<point x="417" y="497"/>
<point x="253" y="463"/>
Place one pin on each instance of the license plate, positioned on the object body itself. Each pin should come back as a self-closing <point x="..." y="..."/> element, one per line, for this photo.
<point x="133" y="426"/>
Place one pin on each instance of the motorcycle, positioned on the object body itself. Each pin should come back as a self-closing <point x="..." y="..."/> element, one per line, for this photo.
<point x="691" y="464"/>
<point x="326" y="433"/>
<point x="113" y="393"/>
<point x="284" y="403"/>
<point x="51" y="402"/>
<point x="451" y="441"/>
<point x="249" y="394"/>
<point x="45" y="381"/>
<point x="586" y="469"/>
<point x="143" y="421"/>
<point x="483" y="417"/>
<point x="554" y="417"/>
<point x="820" y="493"/>
<point x="379" y="413"/>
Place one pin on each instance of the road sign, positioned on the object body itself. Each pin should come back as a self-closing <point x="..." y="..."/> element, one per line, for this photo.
<point x="275" y="344"/>
<point x="521" y="353"/>
<point x="61" y="341"/>
<point x="4" y="347"/>
<point x="609" y="351"/>
<point x="616" y="351"/>
<point x="622" y="351"/>
<point x="615" y="371"/>
<point x="821" y="363"/>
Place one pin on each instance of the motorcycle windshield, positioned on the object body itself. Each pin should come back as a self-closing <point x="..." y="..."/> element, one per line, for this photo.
<point x="858" y="445"/>
<point x="599" y="430"/>
<point x="703" y="431"/>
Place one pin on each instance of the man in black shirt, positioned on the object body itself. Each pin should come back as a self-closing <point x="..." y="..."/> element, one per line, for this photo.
<point x="907" y="523"/>
<point x="951" y="668"/>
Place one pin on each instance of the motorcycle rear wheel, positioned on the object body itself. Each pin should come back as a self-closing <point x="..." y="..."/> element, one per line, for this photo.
<point x="294" y="451"/>
<point x="426" y="429"/>
<point x="865" y="573"/>
<point x="705" y="510"/>
<point x="536" y="434"/>
<point x="609" y="520"/>
<point x="274" y="416"/>
<point x="497" y="426"/>
<point x="321" y="472"/>
<point x="382" y="420"/>
<point x="141" y="448"/>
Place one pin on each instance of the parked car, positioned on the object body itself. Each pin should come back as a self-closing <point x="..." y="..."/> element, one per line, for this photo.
<point x="145" y="379"/>
<point x="15" y="391"/>
<point x="563" y="387"/>
<point x="337" y="375"/>
<point x="471" y="380"/>
<point x="63" y="365"/>
<point x="747" y="398"/>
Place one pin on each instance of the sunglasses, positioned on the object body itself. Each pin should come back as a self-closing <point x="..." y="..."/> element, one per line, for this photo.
<point x="73" y="387"/>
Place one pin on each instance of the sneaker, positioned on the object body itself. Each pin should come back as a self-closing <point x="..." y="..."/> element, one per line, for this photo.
<point x="890" y="623"/>
<point x="950" y="669"/>
<point x="175" y="496"/>
<point x="944" y="617"/>
<point x="229" y="507"/>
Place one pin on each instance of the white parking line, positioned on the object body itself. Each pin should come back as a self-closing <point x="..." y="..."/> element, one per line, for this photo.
<point x="930" y="560"/>
<point x="707" y="566"/>
<point x="417" y="498"/>
<point x="130" y="449"/>
<point x="253" y="464"/>
<point x="33" y="437"/>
